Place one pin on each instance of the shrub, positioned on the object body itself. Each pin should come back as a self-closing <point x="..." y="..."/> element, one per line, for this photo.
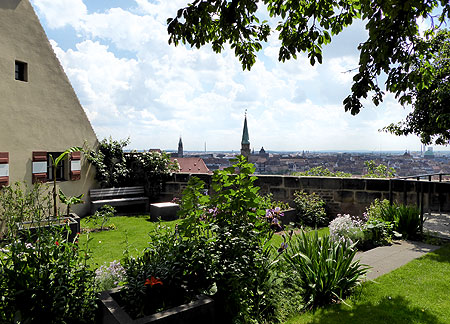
<point x="377" y="232"/>
<point x="310" y="209"/>
<point x="19" y="205"/>
<point x="325" y="268"/>
<point x="101" y="216"/>
<point x="46" y="281"/>
<point x="232" y="218"/>
<point x="345" y="228"/>
<point x="376" y="208"/>
<point x="44" y="278"/>
<point x="405" y="219"/>
<point x="171" y="271"/>
<point x="116" y="168"/>
<point x="108" y="277"/>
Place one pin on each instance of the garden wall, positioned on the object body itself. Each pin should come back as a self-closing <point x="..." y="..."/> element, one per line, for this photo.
<point x="342" y="195"/>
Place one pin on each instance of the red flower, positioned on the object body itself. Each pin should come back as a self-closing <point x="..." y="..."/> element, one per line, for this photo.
<point x="57" y="243"/>
<point x="152" y="281"/>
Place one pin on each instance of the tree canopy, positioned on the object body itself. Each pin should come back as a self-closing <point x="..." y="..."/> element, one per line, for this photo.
<point x="430" y="118"/>
<point x="394" y="45"/>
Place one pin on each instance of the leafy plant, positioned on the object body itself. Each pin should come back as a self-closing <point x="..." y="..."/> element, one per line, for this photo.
<point x="325" y="268"/>
<point x="109" y="161"/>
<point x="310" y="209"/>
<point x="45" y="280"/>
<point x="405" y="219"/>
<point x="108" y="277"/>
<point x="101" y="216"/>
<point x="322" y="172"/>
<point x="55" y="162"/>
<point x="378" y="171"/>
<point x="375" y="209"/>
<point x="345" y="228"/>
<point x="269" y="203"/>
<point x="178" y="264"/>
<point x="378" y="232"/>
<point x="68" y="201"/>
<point x="117" y="168"/>
<point x="18" y="205"/>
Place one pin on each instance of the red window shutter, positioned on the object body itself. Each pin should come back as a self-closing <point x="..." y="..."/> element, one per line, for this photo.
<point x="75" y="166"/>
<point x="4" y="169"/>
<point x="39" y="166"/>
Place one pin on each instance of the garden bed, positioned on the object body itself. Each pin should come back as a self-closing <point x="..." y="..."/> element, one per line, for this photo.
<point x="200" y="311"/>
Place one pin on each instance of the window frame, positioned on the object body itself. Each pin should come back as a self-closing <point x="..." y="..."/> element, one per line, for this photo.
<point x="61" y="174"/>
<point x="21" y="71"/>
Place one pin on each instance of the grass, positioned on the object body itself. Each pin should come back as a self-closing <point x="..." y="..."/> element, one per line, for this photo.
<point x="107" y="246"/>
<point x="416" y="293"/>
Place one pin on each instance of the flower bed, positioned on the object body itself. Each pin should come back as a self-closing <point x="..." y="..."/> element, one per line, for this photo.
<point x="199" y="311"/>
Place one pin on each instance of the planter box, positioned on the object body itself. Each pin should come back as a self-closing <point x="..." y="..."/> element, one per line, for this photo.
<point x="167" y="211"/>
<point x="290" y="216"/>
<point x="63" y="221"/>
<point x="200" y="311"/>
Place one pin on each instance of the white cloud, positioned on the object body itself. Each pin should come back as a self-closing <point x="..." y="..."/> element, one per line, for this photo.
<point x="132" y="83"/>
<point x="60" y="13"/>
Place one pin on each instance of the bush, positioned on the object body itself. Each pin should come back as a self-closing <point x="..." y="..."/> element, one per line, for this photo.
<point x="101" y="216"/>
<point x="376" y="208"/>
<point x="116" y="168"/>
<point x="405" y="219"/>
<point x="232" y="219"/>
<point x="325" y="268"/>
<point x="46" y="281"/>
<point x="108" y="277"/>
<point x="171" y="271"/>
<point x="43" y="277"/>
<point x="377" y="232"/>
<point x="17" y="204"/>
<point x="345" y="228"/>
<point x="310" y="209"/>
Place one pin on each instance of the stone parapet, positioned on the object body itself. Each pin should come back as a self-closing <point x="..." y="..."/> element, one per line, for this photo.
<point x="342" y="195"/>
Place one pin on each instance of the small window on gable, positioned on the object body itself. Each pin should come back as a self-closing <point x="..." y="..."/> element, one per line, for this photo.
<point x="21" y="71"/>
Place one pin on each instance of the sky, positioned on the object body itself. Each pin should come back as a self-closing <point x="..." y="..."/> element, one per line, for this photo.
<point x="132" y="83"/>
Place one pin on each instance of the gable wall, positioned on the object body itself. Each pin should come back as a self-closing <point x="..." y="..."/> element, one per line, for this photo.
<point x="43" y="114"/>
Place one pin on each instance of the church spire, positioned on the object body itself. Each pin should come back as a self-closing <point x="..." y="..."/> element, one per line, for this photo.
<point x="245" y="143"/>
<point x="180" y="148"/>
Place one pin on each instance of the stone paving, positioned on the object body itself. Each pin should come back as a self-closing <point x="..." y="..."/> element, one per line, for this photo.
<point x="439" y="224"/>
<point x="384" y="259"/>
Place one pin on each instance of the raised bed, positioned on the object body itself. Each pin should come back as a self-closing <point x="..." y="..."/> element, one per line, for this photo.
<point x="73" y="221"/>
<point x="200" y="311"/>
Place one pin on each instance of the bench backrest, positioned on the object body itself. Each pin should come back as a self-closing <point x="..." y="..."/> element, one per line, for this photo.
<point x="110" y="193"/>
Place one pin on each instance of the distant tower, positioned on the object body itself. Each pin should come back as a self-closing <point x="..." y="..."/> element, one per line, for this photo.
<point x="180" y="148"/>
<point x="245" y="143"/>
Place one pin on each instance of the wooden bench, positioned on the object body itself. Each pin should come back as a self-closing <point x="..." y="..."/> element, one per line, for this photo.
<point x="117" y="197"/>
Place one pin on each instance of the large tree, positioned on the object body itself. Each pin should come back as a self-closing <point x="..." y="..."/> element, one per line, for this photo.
<point x="393" y="46"/>
<point x="430" y="118"/>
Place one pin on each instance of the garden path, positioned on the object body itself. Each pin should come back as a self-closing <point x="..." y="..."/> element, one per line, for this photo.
<point x="437" y="223"/>
<point x="385" y="259"/>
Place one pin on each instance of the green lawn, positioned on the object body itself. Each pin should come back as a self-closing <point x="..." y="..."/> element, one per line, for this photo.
<point x="107" y="246"/>
<point x="418" y="292"/>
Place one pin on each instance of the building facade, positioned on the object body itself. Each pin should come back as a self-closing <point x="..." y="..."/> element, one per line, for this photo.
<point x="40" y="112"/>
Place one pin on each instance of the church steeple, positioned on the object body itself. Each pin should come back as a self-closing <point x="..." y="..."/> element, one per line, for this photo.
<point x="180" y="148"/>
<point x="245" y="143"/>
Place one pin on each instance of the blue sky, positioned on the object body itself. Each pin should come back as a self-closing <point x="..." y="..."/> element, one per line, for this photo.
<point x="132" y="83"/>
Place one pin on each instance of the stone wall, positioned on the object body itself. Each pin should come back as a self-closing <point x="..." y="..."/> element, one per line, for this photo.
<point x="342" y="195"/>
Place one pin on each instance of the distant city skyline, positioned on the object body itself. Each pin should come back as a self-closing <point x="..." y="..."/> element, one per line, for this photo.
<point x="131" y="83"/>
